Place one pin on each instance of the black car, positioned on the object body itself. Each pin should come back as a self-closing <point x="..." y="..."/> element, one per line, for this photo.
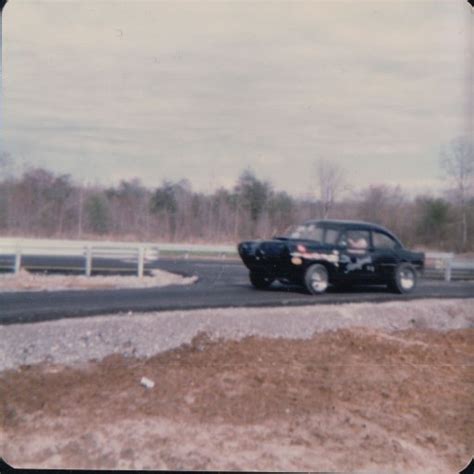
<point x="321" y="253"/>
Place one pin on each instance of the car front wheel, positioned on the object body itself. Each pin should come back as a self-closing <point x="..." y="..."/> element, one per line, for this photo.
<point x="316" y="279"/>
<point x="260" y="280"/>
<point x="404" y="278"/>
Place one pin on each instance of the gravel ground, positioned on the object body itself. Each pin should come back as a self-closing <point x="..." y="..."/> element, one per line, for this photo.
<point x="143" y="335"/>
<point x="355" y="387"/>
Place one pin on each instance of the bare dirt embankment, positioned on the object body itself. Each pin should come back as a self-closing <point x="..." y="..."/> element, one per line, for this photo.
<point x="352" y="398"/>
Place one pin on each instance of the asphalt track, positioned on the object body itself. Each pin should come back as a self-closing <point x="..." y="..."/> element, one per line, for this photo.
<point x="221" y="284"/>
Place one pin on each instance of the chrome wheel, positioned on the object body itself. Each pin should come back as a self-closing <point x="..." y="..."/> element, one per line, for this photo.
<point x="404" y="278"/>
<point x="407" y="279"/>
<point x="317" y="279"/>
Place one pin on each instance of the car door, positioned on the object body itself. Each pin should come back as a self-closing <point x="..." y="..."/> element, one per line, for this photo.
<point x="384" y="254"/>
<point x="355" y="260"/>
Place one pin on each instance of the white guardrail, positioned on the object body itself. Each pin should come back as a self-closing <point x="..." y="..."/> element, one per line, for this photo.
<point x="90" y="250"/>
<point x="447" y="266"/>
<point x="437" y="264"/>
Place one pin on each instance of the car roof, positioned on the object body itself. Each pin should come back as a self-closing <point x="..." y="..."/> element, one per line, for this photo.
<point x="360" y="225"/>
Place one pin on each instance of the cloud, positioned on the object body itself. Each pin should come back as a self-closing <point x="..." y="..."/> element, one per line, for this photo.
<point x="157" y="89"/>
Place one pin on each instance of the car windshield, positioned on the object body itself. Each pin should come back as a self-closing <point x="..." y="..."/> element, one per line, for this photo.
<point x="304" y="231"/>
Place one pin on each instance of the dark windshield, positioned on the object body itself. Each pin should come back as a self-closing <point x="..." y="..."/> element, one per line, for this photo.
<point x="309" y="231"/>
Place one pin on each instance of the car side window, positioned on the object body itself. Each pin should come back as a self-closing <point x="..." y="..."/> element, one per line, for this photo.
<point x="383" y="241"/>
<point x="355" y="239"/>
<point x="331" y="236"/>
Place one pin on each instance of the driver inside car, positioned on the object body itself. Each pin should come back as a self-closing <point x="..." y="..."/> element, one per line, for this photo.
<point x="357" y="242"/>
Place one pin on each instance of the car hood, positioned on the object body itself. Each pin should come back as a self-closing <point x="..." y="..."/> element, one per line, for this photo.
<point x="280" y="244"/>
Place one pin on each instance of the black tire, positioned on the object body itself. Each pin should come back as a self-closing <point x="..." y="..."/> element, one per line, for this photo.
<point x="260" y="280"/>
<point x="404" y="278"/>
<point x="316" y="279"/>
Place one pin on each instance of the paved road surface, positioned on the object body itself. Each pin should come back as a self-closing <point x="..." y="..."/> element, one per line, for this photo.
<point x="221" y="284"/>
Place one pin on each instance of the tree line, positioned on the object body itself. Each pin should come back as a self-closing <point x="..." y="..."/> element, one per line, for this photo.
<point x="42" y="203"/>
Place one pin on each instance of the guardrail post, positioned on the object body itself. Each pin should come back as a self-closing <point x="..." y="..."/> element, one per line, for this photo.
<point x="447" y="269"/>
<point x="141" y="259"/>
<point x="17" y="260"/>
<point x="88" y="261"/>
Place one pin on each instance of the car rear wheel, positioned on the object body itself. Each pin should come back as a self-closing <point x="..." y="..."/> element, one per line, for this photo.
<point x="404" y="278"/>
<point x="260" y="280"/>
<point x="316" y="279"/>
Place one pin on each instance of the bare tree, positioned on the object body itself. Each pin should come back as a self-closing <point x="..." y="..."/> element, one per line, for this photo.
<point x="42" y="203"/>
<point x="457" y="160"/>
<point x="330" y="183"/>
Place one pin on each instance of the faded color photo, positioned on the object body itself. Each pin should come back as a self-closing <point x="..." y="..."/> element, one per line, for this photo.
<point x="237" y="235"/>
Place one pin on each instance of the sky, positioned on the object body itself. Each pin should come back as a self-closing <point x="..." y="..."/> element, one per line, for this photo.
<point x="112" y="90"/>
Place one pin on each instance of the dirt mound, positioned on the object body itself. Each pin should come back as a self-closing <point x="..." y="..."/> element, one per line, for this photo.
<point x="27" y="281"/>
<point x="343" y="400"/>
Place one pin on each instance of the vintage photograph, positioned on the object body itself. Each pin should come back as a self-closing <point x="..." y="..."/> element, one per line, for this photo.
<point x="237" y="235"/>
